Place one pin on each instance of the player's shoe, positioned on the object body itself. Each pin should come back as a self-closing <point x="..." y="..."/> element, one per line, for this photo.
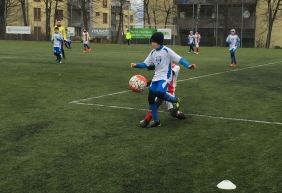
<point x="180" y="115"/>
<point x="188" y="52"/>
<point x="143" y="124"/>
<point x="231" y="65"/>
<point x="155" y="124"/>
<point x="176" y="105"/>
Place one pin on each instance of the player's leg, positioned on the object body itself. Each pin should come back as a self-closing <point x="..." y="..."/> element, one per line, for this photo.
<point x="63" y="51"/>
<point x="190" y="48"/>
<point x="84" y="47"/>
<point x="57" y="53"/>
<point x="153" y="105"/>
<point x="174" y="112"/>
<point x="148" y="117"/>
<point x="234" y="58"/>
<point x="161" y="93"/>
<point x="231" y="58"/>
<point x="197" y="49"/>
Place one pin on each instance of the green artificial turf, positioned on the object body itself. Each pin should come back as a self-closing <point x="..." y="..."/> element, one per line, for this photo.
<point x="49" y="145"/>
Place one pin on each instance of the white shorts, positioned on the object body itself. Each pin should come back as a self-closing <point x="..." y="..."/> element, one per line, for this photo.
<point x="197" y="45"/>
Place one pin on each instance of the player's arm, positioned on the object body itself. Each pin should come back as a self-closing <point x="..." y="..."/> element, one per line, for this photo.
<point x="148" y="61"/>
<point x="228" y="40"/>
<point x="180" y="60"/>
<point x="238" y="41"/>
<point x="64" y="35"/>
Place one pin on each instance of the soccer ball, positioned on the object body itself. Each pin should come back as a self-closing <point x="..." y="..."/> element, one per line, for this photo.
<point x="137" y="83"/>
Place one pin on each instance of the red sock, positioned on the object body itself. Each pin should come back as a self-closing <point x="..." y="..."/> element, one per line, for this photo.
<point x="148" y="117"/>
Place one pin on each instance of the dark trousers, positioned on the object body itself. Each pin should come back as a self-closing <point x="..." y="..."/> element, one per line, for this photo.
<point x="232" y="56"/>
<point x="191" y="47"/>
<point x="128" y="42"/>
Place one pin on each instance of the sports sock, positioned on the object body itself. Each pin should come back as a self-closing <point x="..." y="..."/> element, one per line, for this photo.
<point x="154" y="112"/>
<point x="148" y="117"/>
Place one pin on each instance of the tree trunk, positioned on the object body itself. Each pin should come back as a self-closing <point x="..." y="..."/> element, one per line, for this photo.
<point x="269" y="33"/>
<point x="146" y="10"/>
<point x="2" y="19"/>
<point x="23" y="7"/>
<point x="166" y="18"/>
<point x="120" y="25"/>
<point x="48" y="6"/>
<point x="56" y="13"/>
<point x="84" y="14"/>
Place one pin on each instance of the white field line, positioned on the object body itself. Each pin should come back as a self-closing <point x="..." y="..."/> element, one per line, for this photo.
<point x="183" y="80"/>
<point x="227" y="71"/>
<point x="190" y="114"/>
<point x="8" y="57"/>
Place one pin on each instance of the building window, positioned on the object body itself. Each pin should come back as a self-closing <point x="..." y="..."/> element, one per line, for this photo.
<point x="37" y="14"/>
<point x="131" y="18"/>
<point x="59" y="14"/>
<point x="105" y="3"/>
<point x="36" y="0"/>
<point x="97" y="14"/>
<point x="105" y="18"/>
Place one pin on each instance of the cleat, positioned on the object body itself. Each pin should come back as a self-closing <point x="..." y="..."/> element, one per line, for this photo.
<point x="155" y="124"/>
<point x="180" y="115"/>
<point x="188" y="52"/>
<point x="176" y="105"/>
<point x="143" y="124"/>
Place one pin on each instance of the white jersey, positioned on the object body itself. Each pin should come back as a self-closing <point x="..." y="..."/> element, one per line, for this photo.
<point x="57" y="40"/>
<point x="233" y="41"/>
<point x="162" y="60"/>
<point x="191" y="39"/>
<point x="69" y="36"/>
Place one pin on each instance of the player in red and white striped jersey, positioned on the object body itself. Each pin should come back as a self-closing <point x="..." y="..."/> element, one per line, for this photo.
<point x="197" y="37"/>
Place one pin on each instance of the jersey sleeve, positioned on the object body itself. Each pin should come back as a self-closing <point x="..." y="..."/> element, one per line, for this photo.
<point x="148" y="61"/>
<point x="63" y="32"/>
<point x="227" y="39"/>
<point x="174" y="57"/>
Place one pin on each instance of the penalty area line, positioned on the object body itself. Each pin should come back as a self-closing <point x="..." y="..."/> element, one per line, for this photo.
<point x="183" y="80"/>
<point x="189" y="114"/>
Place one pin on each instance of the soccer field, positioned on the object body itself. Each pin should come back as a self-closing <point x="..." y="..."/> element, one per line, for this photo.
<point x="72" y="127"/>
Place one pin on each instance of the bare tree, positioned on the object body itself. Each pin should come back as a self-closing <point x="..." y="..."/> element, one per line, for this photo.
<point x="121" y="6"/>
<point x="48" y="10"/>
<point x="55" y="12"/>
<point x="273" y="6"/>
<point x="155" y="9"/>
<point x="5" y="8"/>
<point x="147" y="16"/>
<point x="24" y="11"/>
<point x="168" y="10"/>
<point x="85" y="4"/>
<point x="2" y="19"/>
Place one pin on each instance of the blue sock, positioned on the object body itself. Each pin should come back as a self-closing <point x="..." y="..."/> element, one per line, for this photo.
<point x="154" y="112"/>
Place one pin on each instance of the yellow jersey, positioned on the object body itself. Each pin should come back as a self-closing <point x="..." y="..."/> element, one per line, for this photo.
<point x="128" y="36"/>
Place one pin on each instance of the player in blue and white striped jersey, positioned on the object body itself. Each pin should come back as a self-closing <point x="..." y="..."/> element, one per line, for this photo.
<point x="233" y="41"/>
<point x="57" y="41"/>
<point x="161" y="57"/>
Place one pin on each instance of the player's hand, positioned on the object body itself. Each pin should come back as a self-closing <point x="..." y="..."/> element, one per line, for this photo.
<point x="132" y="65"/>
<point x="193" y="66"/>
